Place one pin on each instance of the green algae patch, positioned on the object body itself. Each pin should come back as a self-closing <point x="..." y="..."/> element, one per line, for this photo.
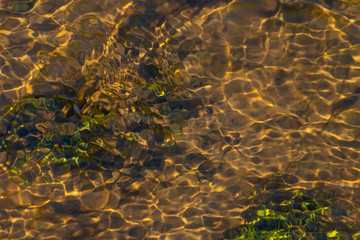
<point x="291" y="213"/>
<point x="49" y="136"/>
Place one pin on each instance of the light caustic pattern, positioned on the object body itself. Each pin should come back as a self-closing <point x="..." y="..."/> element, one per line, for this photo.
<point x="179" y="119"/>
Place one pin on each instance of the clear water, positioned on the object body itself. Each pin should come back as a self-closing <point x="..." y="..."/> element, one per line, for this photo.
<point x="179" y="119"/>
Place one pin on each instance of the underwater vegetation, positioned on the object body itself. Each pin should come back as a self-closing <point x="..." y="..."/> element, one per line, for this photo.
<point x="50" y="135"/>
<point x="120" y="113"/>
<point x="296" y="213"/>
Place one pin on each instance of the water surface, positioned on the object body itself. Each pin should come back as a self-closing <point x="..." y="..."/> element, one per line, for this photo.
<point x="179" y="119"/>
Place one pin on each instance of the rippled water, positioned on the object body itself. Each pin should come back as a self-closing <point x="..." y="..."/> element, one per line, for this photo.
<point x="179" y="119"/>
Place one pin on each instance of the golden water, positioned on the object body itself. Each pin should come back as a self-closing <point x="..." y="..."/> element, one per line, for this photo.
<point x="245" y="90"/>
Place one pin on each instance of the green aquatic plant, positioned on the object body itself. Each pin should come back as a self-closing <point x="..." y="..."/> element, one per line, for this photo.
<point x="293" y="214"/>
<point x="100" y="127"/>
<point x="45" y="135"/>
<point x="119" y="112"/>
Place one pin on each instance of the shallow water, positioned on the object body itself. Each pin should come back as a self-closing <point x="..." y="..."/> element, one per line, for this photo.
<point x="179" y="119"/>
